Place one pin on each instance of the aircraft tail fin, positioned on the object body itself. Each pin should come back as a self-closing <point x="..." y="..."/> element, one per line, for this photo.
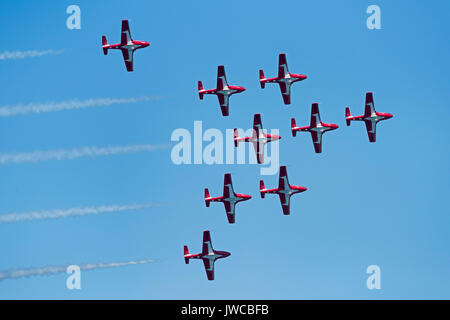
<point x="347" y="115"/>
<point x="104" y="43"/>
<point x="262" y="187"/>
<point x="293" y="125"/>
<point x="186" y="253"/>
<point x="261" y="79"/>
<point x="207" y="195"/>
<point x="236" y="137"/>
<point x="200" y="88"/>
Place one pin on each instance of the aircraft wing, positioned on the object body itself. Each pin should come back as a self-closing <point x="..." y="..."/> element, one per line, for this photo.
<point x="315" y="115"/>
<point x="283" y="181"/>
<point x="257" y="125"/>
<point x="370" y="107"/>
<point x="317" y="141"/>
<point x="229" y="209"/>
<point x="371" y="128"/>
<point x="259" y="150"/>
<point x="125" y="34"/>
<point x="207" y="244"/>
<point x="285" y="203"/>
<point x="209" y="268"/>
<point x="227" y="186"/>
<point x="282" y="66"/>
<point x="221" y="78"/>
<point x="128" y="58"/>
<point x="224" y="104"/>
<point x="285" y="92"/>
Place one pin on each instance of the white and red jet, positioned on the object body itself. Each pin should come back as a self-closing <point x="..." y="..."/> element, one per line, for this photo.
<point x="317" y="128"/>
<point x="208" y="255"/>
<point x="284" y="79"/>
<point x="223" y="90"/>
<point x="127" y="45"/>
<point x="229" y="198"/>
<point x="370" y="117"/>
<point x="259" y="138"/>
<point x="284" y="190"/>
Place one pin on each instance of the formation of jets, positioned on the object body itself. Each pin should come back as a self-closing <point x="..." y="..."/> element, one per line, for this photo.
<point x="259" y="138"/>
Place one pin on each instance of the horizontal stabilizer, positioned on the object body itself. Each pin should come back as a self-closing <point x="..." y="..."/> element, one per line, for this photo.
<point x="293" y="125"/>
<point x="236" y="137"/>
<point x="261" y="79"/>
<point x="186" y="253"/>
<point x="104" y="43"/>
<point x="200" y="88"/>
<point x="207" y="202"/>
<point x="347" y="115"/>
<point x="262" y="187"/>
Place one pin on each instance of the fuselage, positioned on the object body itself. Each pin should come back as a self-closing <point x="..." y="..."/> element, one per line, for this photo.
<point x="225" y="91"/>
<point x="374" y="117"/>
<point x="231" y="199"/>
<point x="131" y="45"/>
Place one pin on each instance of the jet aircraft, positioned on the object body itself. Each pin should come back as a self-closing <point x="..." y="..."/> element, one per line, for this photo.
<point x="229" y="198"/>
<point x="370" y="117"/>
<point x="223" y="90"/>
<point x="284" y="190"/>
<point x="127" y="45"/>
<point x="208" y="255"/>
<point x="259" y="138"/>
<point x="317" y="128"/>
<point x="284" y="79"/>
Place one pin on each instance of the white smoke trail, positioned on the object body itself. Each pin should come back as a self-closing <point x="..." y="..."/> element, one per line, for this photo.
<point x="70" y="154"/>
<point x="33" y="108"/>
<point x="26" y="54"/>
<point x="70" y="212"/>
<point x="49" y="270"/>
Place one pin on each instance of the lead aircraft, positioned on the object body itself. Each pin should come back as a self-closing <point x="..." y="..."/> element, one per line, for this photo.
<point x="229" y="198"/>
<point x="127" y="45"/>
<point x="208" y="255"/>
<point x="284" y="78"/>
<point x="370" y="117"/>
<point x="284" y="190"/>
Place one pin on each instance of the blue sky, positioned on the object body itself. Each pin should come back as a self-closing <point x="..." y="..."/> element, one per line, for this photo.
<point x="381" y="203"/>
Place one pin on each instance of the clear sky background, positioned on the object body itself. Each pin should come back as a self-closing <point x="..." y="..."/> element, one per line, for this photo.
<point x="383" y="203"/>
